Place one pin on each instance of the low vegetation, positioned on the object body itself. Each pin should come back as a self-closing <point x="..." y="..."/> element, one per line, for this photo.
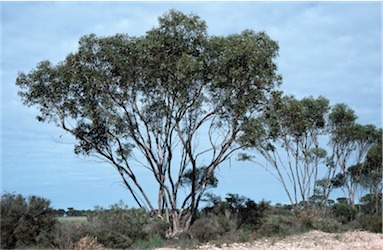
<point x="31" y="223"/>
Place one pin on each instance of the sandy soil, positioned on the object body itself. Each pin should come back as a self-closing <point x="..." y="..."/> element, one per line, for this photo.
<point x="358" y="240"/>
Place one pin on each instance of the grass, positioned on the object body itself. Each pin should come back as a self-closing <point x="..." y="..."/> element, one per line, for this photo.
<point x="73" y="219"/>
<point x="153" y="242"/>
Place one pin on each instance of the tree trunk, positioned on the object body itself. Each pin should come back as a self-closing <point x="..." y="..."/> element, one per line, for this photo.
<point x="180" y="224"/>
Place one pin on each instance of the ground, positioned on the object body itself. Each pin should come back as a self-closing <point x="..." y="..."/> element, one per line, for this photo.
<point x="357" y="240"/>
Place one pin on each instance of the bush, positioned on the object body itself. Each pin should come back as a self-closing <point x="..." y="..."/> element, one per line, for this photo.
<point x="205" y="229"/>
<point x="151" y="242"/>
<point x="253" y="215"/>
<point x="67" y="234"/>
<point x="279" y="225"/>
<point x="156" y="227"/>
<point x="372" y="223"/>
<point x="328" y="225"/>
<point x="344" y="213"/>
<point x="26" y="221"/>
<point x="118" y="226"/>
<point x="309" y="219"/>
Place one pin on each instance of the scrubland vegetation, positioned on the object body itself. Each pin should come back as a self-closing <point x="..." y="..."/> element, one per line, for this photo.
<point x="31" y="223"/>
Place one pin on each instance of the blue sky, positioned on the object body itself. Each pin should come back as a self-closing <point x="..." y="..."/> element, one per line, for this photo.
<point x="326" y="48"/>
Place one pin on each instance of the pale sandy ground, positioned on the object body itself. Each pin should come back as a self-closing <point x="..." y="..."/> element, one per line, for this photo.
<point x="359" y="240"/>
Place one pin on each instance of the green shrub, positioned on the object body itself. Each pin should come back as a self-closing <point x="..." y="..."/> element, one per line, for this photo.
<point x="149" y="243"/>
<point x="114" y="240"/>
<point x="26" y="221"/>
<point x="278" y="225"/>
<point x="253" y="214"/>
<point x="372" y="223"/>
<point x="308" y="219"/>
<point x="328" y="225"/>
<point x="205" y="229"/>
<point x="156" y="227"/>
<point x="118" y="226"/>
<point x="184" y="242"/>
<point x="68" y="233"/>
<point x="344" y="213"/>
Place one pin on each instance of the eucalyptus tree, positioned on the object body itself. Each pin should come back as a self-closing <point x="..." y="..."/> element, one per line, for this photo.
<point x="350" y="143"/>
<point x="371" y="177"/>
<point x="149" y="101"/>
<point x="290" y="130"/>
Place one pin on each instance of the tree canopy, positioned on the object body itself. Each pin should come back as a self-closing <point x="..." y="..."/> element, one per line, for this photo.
<point x="147" y="101"/>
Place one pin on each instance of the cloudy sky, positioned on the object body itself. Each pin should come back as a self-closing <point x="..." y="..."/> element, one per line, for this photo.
<point x="329" y="49"/>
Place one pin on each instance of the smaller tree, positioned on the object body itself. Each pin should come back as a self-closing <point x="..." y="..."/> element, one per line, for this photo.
<point x="371" y="176"/>
<point x="350" y="143"/>
<point x="341" y="119"/>
<point x="287" y="137"/>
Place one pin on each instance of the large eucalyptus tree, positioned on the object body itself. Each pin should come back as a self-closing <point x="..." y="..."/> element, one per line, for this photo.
<point x="172" y="101"/>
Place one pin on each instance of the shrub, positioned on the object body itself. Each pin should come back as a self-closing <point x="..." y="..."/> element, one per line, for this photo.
<point x="328" y="225"/>
<point x="118" y="226"/>
<point x="278" y="225"/>
<point x="372" y="223"/>
<point x="205" y="229"/>
<point x="309" y="219"/>
<point x="253" y="214"/>
<point x="26" y="221"/>
<point x="114" y="240"/>
<point x="67" y="234"/>
<point x="151" y="242"/>
<point x="156" y="227"/>
<point x="344" y="212"/>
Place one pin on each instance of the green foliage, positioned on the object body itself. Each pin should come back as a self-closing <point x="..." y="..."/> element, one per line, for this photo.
<point x="68" y="233"/>
<point x="156" y="228"/>
<point x="206" y="229"/>
<point x="328" y="225"/>
<point x="344" y="212"/>
<point x="237" y="219"/>
<point x="253" y="215"/>
<point x="238" y="212"/>
<point x="371" y="204"/>
<point x="26" y="221"/>
<point x="371" y="178"/>
<point x="200" y="178"/>
<point x="290" y="128"/>
<point x="149" y="243"/>
<point x="372" y="223"/>
<point x="155" y="94"/>
<point x="118" y="226"/>
<point x="278" y="225"/>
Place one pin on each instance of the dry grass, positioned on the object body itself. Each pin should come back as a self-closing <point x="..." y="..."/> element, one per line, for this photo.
<point x="88" y="242"/>
<point x="76" y="219"/>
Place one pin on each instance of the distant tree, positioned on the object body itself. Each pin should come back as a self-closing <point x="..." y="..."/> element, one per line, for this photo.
<point x="371" y="176"/>
<point x="59" y="212"/>
<point x="290" y="130"/>
<point x="148" y="101"/>
<point x="350" y="143"/>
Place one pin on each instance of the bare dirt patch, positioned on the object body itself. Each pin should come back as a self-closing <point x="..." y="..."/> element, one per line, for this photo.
<point x="357" y="240"/>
